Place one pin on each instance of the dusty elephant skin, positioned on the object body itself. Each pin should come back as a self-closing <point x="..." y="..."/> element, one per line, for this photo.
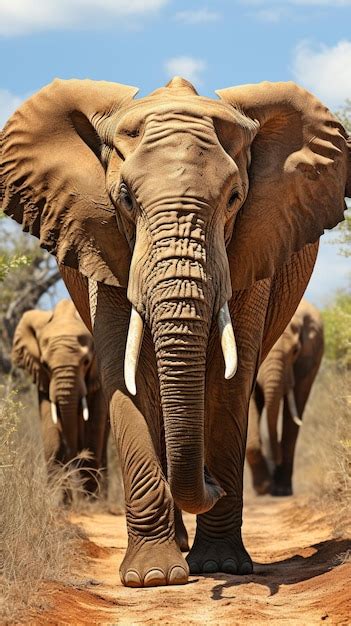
<point x="193" y="210"/>
<point x="57" y="350"/>
<point x="285" y="378"/>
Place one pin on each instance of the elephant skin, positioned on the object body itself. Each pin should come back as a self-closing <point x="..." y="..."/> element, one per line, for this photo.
<point x="194" y="211"/>
<point x="57" y="350"/>
<point x="284" y="381"/>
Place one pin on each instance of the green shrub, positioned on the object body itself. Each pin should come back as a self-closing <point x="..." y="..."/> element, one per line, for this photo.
<point x="337" y="328"/>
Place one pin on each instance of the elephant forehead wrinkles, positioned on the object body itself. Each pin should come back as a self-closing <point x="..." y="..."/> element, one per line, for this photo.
<point x="161" y="126"/>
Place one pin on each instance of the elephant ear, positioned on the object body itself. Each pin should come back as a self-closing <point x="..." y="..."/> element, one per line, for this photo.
<point x="25" y="347"/>
<point x="298" y="177"/>
<point x="53" y="178"/>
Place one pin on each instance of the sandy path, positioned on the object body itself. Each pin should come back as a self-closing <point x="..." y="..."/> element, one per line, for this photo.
<point x="298" y="577"/>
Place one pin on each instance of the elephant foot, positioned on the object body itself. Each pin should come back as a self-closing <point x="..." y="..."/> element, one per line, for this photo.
<point x="211" y="555"/>
<point x="261" y="479"/>
<point x="262" y="488"/>
<point x="152" y="563"/>
<point x="281" y="484"/>
<point x="281" y="490"/>
<point x="181" y="534"/>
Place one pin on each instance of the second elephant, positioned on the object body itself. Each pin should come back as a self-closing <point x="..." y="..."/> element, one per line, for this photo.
<point x="284" y="378"/>
<point x="57" y="350"/>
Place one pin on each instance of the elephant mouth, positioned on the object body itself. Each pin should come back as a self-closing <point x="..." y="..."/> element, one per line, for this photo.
<point x="135" y="337"/>
<point x="55" y="410"/>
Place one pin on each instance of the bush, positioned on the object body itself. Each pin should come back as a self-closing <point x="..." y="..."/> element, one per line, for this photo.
<point x="323" y="455"/>
<point x="337" y="328"/>
<point x="39" y="544"/>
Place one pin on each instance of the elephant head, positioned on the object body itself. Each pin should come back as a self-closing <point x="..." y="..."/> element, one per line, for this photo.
<point x="57" y="350"/>
<point x="180" y="199"/>
<point x="290" y="367"/>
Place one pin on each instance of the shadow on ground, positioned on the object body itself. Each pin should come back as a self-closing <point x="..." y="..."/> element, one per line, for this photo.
<point x="316" y="561"/>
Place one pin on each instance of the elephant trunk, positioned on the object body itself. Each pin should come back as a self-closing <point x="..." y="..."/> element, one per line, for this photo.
<point x="66" y="393"/>
<point x="179" y="293"/>
<point x="271" y="378"/>
<point x="181" y="345"/>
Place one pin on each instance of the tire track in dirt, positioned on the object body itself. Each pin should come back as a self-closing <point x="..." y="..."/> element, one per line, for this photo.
<point x="298" y="577"/>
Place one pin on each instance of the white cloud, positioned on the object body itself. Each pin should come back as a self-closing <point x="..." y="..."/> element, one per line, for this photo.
<point x="19" y="17"/>
<point x="9" y="102"/>
<point x="325" y="71"/>
<point x="187" y="67"/>
<point x="271" y="15"/>
<point x="316" y="3"/>
<point x="197" y="17"/>
<point x="273" y="11"/>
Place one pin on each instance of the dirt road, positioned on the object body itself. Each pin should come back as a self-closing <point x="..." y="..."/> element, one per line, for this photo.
<point x="299" y="577"/>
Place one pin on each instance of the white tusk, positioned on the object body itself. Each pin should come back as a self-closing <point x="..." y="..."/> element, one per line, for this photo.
<point x="85" y="409"/>
<point x="228" y="343"/>
<point x="93" y="293"/>
<point x="53" y="412"/>
<point x="134" y="340"/>
<point x="293" y="408"/>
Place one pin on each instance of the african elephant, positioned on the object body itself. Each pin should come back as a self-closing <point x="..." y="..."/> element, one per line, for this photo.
<point x="57" y="350"/>
<point x="186" y="230"/>
<point x="284" y="381"/>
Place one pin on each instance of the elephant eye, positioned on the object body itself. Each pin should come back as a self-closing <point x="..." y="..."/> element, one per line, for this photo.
<point x="125" y="197"/>
<point x="233" y="197"/>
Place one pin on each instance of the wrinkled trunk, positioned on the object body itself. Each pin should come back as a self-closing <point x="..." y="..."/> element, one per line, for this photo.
<point x="273" y="376"/>
<point x="66" y="389"/>
<point x="179" y="311"/>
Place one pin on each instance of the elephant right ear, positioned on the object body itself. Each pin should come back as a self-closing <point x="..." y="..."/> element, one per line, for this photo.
<point x="53" y="178"/>
<point x="25" y="347"/>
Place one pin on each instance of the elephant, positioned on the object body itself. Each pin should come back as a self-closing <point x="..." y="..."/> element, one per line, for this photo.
<point x="186" y="229"/>
<point x="284" y="380"/>
<point x="57" y="350"/>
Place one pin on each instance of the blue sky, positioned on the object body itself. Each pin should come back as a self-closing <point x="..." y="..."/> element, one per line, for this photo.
<point x="215" y="44"/>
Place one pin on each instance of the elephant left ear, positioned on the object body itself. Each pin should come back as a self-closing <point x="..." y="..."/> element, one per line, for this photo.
<point x="54" y="152"/>
<point x="299" y="175"/>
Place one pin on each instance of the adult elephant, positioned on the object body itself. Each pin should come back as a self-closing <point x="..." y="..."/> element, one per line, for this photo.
<point x="284" y="380"/>
<point x="204" y="215"/>
<point x="57" y="350"/>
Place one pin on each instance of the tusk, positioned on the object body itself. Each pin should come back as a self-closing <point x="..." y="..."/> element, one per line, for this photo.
<point x="134" y="340"/>
<point x="280" y="420"/>
<point x="293" y="408"/>
<point x="93" y="293"/>
<point x="53" y="412"/>
<point x="228" y="343"/>
<point x="85" y="409"/>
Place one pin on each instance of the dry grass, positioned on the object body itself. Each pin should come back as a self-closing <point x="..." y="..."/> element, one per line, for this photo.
<point x="39" y="543"/>
<point x="323" y="455"/>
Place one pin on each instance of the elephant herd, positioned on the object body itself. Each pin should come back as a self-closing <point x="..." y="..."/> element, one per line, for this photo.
<point x="56" y="349"/>
<point x="186" y="230"/>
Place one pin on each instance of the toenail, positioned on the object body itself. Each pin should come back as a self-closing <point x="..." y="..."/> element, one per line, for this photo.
<point x="194" y="567"/>
<point x="177" y="576"/>
<point x="230" y="566"/>
<point x="246" y="568"/>
<point x="132" y="579"/>
<point x="154" y="578"/>
<point x="209" y="567"/>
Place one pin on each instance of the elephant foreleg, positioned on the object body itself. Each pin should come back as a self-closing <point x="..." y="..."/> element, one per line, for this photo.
<point x="218" y="545"/>
<point x="153" y="556"/>
<point x="261" y="479"/>
<point x="95" y="441"/>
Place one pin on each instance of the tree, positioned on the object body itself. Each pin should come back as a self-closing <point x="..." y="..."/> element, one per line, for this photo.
<point x="26" y="273"/>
